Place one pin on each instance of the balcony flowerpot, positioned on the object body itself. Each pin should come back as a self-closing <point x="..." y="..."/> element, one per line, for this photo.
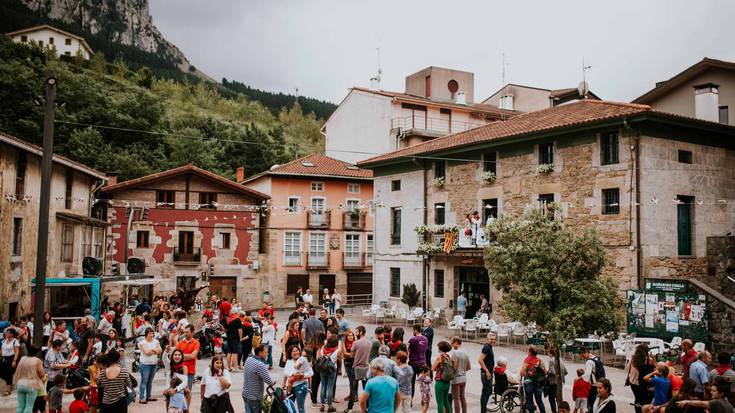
<point x="438" y="182"/>
<point x="197" y="257"/>
<point x="488" y="177"/>
<point x="545" y="168"/>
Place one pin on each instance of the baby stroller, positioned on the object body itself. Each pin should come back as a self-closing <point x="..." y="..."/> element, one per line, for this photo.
<point x="76" y="377"/>
<point x="278" y="401"/>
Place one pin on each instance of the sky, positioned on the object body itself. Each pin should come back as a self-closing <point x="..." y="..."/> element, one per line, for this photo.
<point x="324" y="47"/>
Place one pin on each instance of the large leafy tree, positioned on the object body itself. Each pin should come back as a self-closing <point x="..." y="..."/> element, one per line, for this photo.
<point x="552" y="274"/>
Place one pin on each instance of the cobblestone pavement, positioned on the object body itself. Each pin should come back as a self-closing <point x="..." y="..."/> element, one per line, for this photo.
<point x="515" y="355"/>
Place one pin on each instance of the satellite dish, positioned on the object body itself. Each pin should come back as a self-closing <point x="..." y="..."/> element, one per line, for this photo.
<point x="136" y="266"/>
<point x="583" y="88"/>
<point x="91" y="266"/>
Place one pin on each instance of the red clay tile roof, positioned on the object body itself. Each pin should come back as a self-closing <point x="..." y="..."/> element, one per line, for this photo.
<point x="572" y="114"/>
<point x="38" y="150"/>
<point x="323" y="166"/>
<point x="471" y="107"/>
<point x="696" y="69"/>
<point x="189" y="168"/>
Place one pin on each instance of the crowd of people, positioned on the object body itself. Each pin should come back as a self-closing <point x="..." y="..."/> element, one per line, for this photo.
<point x="383" y="368"/>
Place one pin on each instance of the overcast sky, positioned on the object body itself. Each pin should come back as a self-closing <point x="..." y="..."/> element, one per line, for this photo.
<point x="325" y="47"/>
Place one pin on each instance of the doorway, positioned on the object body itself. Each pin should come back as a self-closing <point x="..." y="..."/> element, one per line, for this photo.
<point x="473" y="281"/>
<point x="223" y="287"/>
<point x="326" y="281"/>
<point x="359" y="284"/>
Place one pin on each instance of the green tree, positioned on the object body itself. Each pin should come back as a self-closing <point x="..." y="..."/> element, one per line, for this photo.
<point x="551" y="274"/>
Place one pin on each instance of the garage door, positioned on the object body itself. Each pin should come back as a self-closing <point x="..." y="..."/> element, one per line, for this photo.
<point x="359" y="283"/>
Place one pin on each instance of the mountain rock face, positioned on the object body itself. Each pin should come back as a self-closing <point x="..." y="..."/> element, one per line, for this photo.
<point x="127" y="22"/>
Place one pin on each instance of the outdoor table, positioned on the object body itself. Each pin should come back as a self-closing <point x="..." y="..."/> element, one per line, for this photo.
<point x="591" y="342"/>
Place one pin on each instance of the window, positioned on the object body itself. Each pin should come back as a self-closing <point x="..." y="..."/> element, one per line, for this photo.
<point x="67" y="243"/>
<point x="292" y="248"/>
<point x="186" y="242"/>
<point x="545" y="199"/>
<point x="440" y="169"/>
<point x="453" y="86"/>
<point x="369" y="247"/>
<point x="395" y="226"/>
<point x="318" y="248"/>
<point x="611" y="201"/>
<point x="439" y="283"/>
<point x="67" y="41"/>
<point x="724" y="115"/>
<point x="395" y="282"/>
<point x="207" y="200"/>
<point x="67" y="53"/>
<point x="20" y="175"/>
<point x="98" y="235"/>
<point x="317" y="205"/>
<point x="69" y="187"/>
<point x="439" y="213"/>
<point x="141" y="239"/>
<point x="546" y="153"/>
<point x="317" y="186"/>
<point x="352" y="205"/>
<point x="489" y="162"/>
<point x="352" y="248"/>
<point x="17" y="236"/>
<point x="87" y="242"/>
<point x="684" y="223"/>
<point x="489" y="209"/>
<point x="685" y="156"/>
<point x="428" y="86"/>
<point x="50" y="40"/>
<point x="165" y="199"/>
<point x="293" y="204"/>
<point x="395" y="185"/>
<point x="225" y="241"/>
<point x="609" y="154"/>
<point x="353" y="188"/>
<point x="23" y="39"/>
<point x="40" y="43"/>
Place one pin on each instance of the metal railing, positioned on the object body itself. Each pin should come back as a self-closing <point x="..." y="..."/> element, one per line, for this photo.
<point x="354" y="220"/>
<point x="187" y="257"/>
<point x="318" y="219"/>
<point x="358" y="300"/>
<point x="441" y="125"/>
<point x="317" y="259"/>
<point x="354" y="260"/>
<point x="292" y="259"/>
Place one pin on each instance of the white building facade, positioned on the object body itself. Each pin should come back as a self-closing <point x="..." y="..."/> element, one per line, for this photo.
<point x="65" y="43"/>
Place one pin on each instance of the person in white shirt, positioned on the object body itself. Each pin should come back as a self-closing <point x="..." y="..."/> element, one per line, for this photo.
<point x="216" y="382"/>
<point x="150" y="348"/>
<point x="297" y="373"/>
<point x="308" y="298"/>
<point x="336" y="300"/>
<point x="268" y="337"/>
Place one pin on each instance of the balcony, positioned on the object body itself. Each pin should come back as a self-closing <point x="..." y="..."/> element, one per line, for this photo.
<point x="432" y="241"/>
<point x="318" y="219"/>
<point x="292" y="258"/>
<point x="430" y="127"/>
<point x="317" y="260"/>
<point x="359" y="260"/>
<point x="353" y="220"/>
<point x="192" y="257"/>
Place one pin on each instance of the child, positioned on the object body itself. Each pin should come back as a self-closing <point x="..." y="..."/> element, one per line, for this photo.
<point x="404" y="382"/>
<point x="580" y="391"/>
<point x="177" y="401"/>
<point x="56" y="394"/>
<point x="425" y="383"/>
<point x="217" y="342"/>
<point x="97" y="347"/>
<point x="564" y="407"/>
<point x="78" y="405"/>
<point x="662" y="388"/>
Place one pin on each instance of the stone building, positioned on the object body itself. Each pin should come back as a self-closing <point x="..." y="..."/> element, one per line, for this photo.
<point x="191" y="228"/>
<point x="655" y="185"/>
<point x="74" y="232"/>
<point x="319" y="229"/>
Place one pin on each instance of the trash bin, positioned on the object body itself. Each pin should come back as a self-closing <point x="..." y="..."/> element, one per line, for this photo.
<point x="266" y="297"/>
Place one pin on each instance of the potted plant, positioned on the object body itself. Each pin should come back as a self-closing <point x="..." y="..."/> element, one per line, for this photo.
<point x="411" y="295"/>
<point x="197" y="256"/>
<point x="438" y="182"/>
<point x="488" y="177"/>
<point x="545" y="168"/>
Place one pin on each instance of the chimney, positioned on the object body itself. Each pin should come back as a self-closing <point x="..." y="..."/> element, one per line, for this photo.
<point x="706" y="102"/>
<point x="459" y="98"/>
<point x="111" y="179"/>
<point x="375" y="83"/>
<point x="240" y="174"/>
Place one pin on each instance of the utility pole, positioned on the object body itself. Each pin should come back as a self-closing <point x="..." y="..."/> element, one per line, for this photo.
<point x="43" y="213"/>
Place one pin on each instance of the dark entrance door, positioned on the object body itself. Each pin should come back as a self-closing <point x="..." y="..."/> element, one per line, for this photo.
<point x="223" y="287"/>
<point x="325" y="281"/>
<point x="359" y="283"/>
<point x="473" y="281"/>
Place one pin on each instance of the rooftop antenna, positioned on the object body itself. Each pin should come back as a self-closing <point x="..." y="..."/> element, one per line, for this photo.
<point x="584" y="87"/>
<point x="297" y="95"/>
<point x="375" y="80"/>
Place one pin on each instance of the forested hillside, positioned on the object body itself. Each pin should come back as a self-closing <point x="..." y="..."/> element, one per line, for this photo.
<point x="275" y="101"/>
<point x="182" y="121"/>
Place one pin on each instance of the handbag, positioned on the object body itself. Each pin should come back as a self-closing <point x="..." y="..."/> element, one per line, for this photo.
<point x="324" y="365"/>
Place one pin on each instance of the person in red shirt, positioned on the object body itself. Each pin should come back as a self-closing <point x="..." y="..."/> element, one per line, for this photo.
<point x="688" y="357"/>
<point x="580" y="392"/>
<point x="190" y="347"/>
<point x="224" y="310"/>
<point x="78" y="405"/>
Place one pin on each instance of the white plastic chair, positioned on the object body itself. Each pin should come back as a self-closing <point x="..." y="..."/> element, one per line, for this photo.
<point x="519" y="331"/>
<point x="618" y="350"/>
<point x="482" y="322"/>
<point x="699" y="346"/>
<point x="410" y="317"/>
<point x="503" y="331"/>
<point x="391" y="312"/>
<point x="470" y="326"/>
<point x="675" y="343"/>
<point x="380" y="315"/>
<point x="456" y="324"/>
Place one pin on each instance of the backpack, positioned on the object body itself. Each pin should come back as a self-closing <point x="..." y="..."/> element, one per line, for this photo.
<point x="448" y="371"/>
<point x="536" y="374"/>
<point x="599" y="370"/>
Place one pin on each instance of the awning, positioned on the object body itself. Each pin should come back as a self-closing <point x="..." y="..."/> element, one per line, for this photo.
<point x="149" y="281"/>
<point x="81" y="219"/>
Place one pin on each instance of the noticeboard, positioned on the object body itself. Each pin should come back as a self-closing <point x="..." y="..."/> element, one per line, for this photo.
<point x="665" y="314"/>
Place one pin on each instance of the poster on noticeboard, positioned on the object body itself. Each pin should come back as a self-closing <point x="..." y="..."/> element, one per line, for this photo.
<point x="666" y="312"/>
